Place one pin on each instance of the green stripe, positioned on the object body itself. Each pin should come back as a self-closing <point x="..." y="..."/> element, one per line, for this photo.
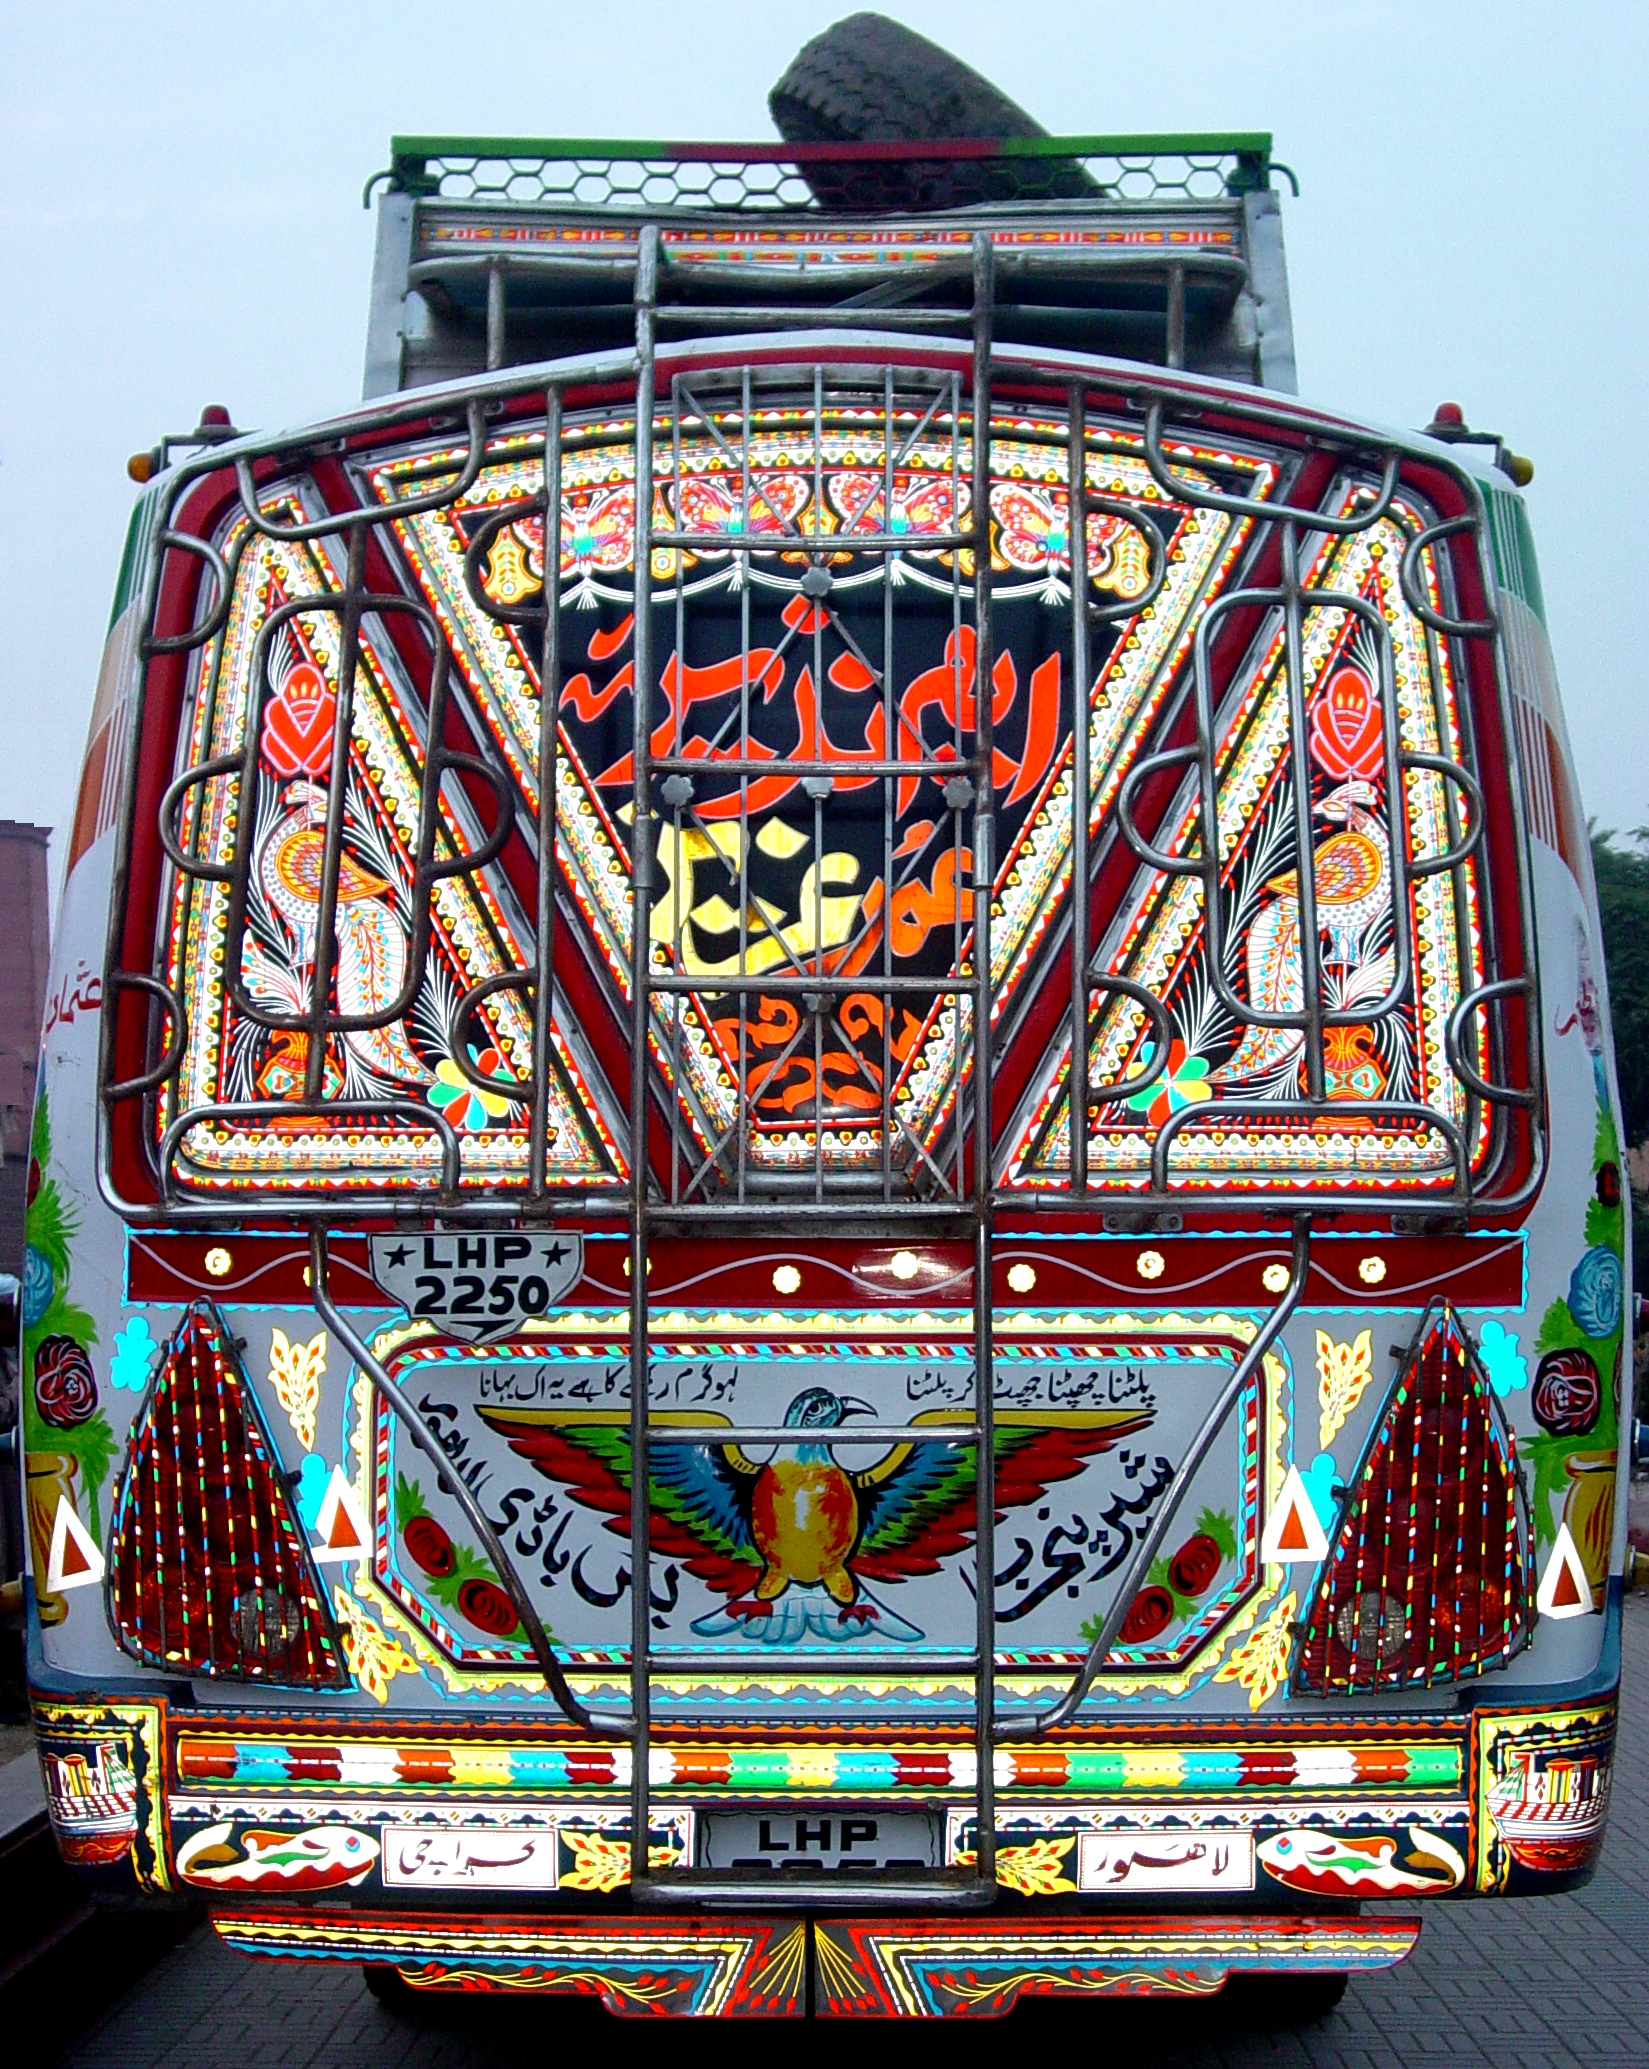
<point x="135" y="553"/>
<point x="1157" y="145"/>
<point x="1516" y="568"/>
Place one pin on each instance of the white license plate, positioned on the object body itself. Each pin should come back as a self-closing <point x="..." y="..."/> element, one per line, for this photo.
<point x="814" y="1842"/>
<point x="476" y="1286"/>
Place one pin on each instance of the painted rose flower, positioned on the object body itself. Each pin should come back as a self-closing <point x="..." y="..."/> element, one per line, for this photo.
<point x="465" y="1105"/>
<point x="1150" y="1612"/>
<point x="1183" y="1083"/>
<point x="1568" y="1396"/>
<point x="484" y="1604"/>
<point x="65" y="1386"/>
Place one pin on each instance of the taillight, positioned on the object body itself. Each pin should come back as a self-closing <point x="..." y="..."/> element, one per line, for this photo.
<point x="1428" y="1576"/>
<point x="209" y="1570"/>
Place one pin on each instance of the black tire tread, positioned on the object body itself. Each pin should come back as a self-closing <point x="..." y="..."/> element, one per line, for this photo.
<point x="866" y="80"/>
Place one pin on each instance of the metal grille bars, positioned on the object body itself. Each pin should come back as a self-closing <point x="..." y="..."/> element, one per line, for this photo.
<point x="814" y="1032"/>
<point x="650" y="175"/>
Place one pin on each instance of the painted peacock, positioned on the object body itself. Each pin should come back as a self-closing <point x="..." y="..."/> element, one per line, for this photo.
<point x="1352" y="873"/>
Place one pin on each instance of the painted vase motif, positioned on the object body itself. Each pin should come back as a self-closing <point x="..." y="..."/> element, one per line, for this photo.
<point x="1589" y="1512"/>
<point x="51" y="1477"/>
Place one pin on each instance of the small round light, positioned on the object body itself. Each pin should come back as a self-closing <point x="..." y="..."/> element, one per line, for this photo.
<point x="219" y="1264"/>
<point x="1150" y="1264"/>
<point x="904" y="1265"/>
<point x="1275" y="1278"/>
<point x="1022" y="1277"/>
<point x="1372" y="1270"/>
<point x="786" y="1279"/>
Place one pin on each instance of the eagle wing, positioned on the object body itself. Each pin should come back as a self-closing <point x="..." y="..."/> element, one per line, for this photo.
<point x="925" y="1508"/>
<point x="700" y="1494"/>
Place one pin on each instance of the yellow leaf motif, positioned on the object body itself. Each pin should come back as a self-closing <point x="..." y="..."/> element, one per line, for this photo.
<point x="1037" y="1870"/>
<point x="1261" y="1661"/>
<point x="603" y="1864"/>
<point x="1344" y="1371"/>
<point x="297" y="1370"/>
<point x="374" y="1658"/>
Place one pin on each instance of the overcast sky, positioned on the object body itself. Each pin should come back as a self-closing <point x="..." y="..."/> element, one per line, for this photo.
<point x="180" y="223"/>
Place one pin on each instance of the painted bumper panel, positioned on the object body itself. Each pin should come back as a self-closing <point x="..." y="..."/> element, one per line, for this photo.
<point x="759" y="1967"/>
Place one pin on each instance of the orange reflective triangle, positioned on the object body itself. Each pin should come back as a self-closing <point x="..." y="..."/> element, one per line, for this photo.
<point x="1292" y="1530"/>
<point x="340" y="1526"/>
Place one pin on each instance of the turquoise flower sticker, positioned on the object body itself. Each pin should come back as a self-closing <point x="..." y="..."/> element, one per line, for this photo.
<point x="1182" y="1084"/>
<point x="1320" y="1479"/>
<point x="134" y="1350"/>
<point x="1505" y="1364"/>
<point x="313" y="1481"/>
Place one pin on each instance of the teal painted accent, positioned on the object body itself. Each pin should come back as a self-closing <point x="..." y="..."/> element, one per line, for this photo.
<point x="1433" y="1767"/>
<point x="258" y="1763"/>
<point x="539" y="1767"/>
<point x="1211" y="1770"/>
<point x="1516" y="567"/>
<point x="1096" y="1771"/>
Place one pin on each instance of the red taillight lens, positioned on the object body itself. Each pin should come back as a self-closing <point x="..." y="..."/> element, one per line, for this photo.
<point x="209" y="1570"/>
<point x="1428" y="1576"/>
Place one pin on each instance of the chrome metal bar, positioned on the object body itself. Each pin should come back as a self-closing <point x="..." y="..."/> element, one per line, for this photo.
<point x="555" y="1678"/>
<point x="1012" y="1729"/>
<point x="549" y="723"/>
<point x="1076" y="468"/>
<point x="642" y="847"/>
<point x="984" y="1175"/>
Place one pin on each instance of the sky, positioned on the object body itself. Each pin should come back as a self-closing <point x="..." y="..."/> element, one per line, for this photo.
<point x="180" y="224"/>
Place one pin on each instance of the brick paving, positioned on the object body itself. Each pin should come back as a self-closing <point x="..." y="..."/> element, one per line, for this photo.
<point x="1534" y="1985"/>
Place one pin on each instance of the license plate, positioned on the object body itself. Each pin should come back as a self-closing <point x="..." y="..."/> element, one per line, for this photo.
<point x="819" y="1842"/>
<point x="476" y="1286"/>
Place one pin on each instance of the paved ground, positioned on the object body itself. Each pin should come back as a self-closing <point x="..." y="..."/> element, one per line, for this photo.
<point x="1520" y="1986"/>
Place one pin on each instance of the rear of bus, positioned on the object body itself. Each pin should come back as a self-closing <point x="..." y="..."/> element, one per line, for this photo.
<point x="844" y="928"/>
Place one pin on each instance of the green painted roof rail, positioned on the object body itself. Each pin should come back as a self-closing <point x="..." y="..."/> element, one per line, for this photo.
<point x="1239" y="161"/>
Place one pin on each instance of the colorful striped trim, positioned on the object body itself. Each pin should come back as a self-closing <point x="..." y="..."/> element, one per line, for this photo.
<point x="797" y="1770"/>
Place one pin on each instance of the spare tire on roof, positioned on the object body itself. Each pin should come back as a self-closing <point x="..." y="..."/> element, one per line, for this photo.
<point x="869" y="80"/>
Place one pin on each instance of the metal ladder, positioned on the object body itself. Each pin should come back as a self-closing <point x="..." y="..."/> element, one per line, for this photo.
<point x="940" y="1887"/>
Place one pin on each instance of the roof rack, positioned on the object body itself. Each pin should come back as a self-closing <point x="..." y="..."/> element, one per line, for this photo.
<point x="651" y="174"/>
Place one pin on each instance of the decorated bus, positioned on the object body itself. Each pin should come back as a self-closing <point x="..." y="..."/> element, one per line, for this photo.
<point x="827" y="1209"/>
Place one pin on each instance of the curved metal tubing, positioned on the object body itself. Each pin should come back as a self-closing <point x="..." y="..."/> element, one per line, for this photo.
<point x="1189" y="492"/>
<point x="1161" y="1037"/>
<point x="1454" y="1036"/>
<point x="1408" y="575"/>
<point x="349" y="520"/>
<point x="312" y="1110"/>
<point x="481" y="545"/>
<point x="1011" y="1729"/>
<point x="217" y="617"/>
<point x="1260" y="1110"/>
<point x="151" y="1080"/>
<point x="1138" y="516"/>
<point x="555" y="1678"/>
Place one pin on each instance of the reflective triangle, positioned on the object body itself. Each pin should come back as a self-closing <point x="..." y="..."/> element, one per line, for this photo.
<point x="75" y="1561"/>
<point x="1292" y="1532"/>
<point x="340" y="1528"/>
<point x="1564" y="1588"/>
